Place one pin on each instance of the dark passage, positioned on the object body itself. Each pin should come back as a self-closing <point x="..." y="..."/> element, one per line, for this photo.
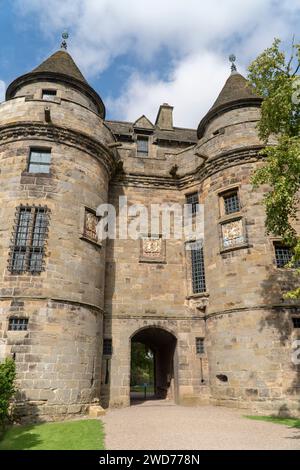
<point x="152" y="363"/>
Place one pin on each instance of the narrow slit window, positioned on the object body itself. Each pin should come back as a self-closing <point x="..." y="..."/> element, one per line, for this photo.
<point x="39" y="161"/>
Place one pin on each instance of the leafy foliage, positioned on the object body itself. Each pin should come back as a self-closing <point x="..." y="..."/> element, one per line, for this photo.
<point x="276" y="80"/>
<point x="141" y="364"/>
<point x="7" y="389"/>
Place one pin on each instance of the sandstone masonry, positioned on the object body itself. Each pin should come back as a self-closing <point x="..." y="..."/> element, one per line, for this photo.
<point x="89" y="291"/>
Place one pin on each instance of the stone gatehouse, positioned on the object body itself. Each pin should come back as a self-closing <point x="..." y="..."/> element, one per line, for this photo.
<point x="71" y="304"/>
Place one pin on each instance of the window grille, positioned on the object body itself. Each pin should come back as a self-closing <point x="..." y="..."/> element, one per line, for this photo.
<point x="200" y="346"/>
<point x="28" y="249"/>
<point x="283" y="255"/>
<point x="198" y="272"/>
<point x="231" y="203"/>
<point x="18" y="324"/>
<point x="47" y="95"/>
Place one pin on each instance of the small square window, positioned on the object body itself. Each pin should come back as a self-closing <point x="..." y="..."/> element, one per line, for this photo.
<point x="142" y="146"/>
<point x="296" y="322"/>
<point x="48" y="95"/>
<point x="18" y="324"/>
<point x="231" y="203"/>
<point x="283" y="255"/>
<point x="200" y="349"/>
<point x="107" y="347"/>
<point x="39" y="161"/>
<point x="193" y="203"/>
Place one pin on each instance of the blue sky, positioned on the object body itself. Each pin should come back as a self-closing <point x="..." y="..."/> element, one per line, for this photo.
<point x="138" y="54"/>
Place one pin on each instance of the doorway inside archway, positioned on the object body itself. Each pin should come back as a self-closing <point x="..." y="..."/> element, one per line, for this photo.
<point x="152" y="364"/>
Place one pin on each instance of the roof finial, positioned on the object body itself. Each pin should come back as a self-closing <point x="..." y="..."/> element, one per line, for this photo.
<point x="232" y="59"/>
<point x="64" y="36"/>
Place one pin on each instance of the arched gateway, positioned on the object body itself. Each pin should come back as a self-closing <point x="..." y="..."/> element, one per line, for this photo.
<point x="163" y="347"/>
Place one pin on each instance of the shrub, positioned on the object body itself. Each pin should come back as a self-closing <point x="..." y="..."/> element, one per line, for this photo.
<point x="7" y="389"/>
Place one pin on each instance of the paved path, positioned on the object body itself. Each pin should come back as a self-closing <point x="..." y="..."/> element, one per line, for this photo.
<point x="163" y="425"/>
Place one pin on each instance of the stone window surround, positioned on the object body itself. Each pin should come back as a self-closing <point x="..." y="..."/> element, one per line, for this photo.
<point x="33" y="208"/>
<point x="143" y="134"/>
<point x="51" y="97"/>
<point x="200" y="299"/>
<point x="159" y="260"/>
<point x="200" y="345"/>
<point x="16" y="333"/>
<point x="35" y="175"/>
<point x="192" y="193"/>
<point x="82" y="235"/>
<point x="226" y="218"/>
<point x="224" y="192"/>
<point x="272" y="241"/>
<point x="11" y="318"/>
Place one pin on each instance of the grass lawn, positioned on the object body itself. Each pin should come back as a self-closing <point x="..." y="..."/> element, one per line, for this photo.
<point x="85" y="434"/>
<point x="292" y="422"/>
<point x="140" y="388"/>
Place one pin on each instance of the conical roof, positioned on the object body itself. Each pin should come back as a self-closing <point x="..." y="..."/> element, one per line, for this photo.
<point x="61" y="62"/>
<point x="59" y="67"/>
<point x="235" y="93"/>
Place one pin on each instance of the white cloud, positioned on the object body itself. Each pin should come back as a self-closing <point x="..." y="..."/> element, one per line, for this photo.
<point x="2" y="91"/>
<point x="191" y="88"/>
<point x="197" y="34"/>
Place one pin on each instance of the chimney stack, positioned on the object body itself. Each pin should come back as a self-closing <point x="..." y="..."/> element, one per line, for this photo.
<point x="164" y="118"/>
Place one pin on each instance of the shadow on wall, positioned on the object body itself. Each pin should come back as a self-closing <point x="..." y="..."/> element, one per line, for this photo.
<point x="110" y="282"/>
<point x="278" y="282"/>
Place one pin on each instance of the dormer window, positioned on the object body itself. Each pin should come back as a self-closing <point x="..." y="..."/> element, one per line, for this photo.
<point x="142" y="146"/>
<point x="48" y="95"/>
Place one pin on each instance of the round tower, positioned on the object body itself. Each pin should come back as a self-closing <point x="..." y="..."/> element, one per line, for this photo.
<point x="248" y="324"/>
<point x="56" y="164"/>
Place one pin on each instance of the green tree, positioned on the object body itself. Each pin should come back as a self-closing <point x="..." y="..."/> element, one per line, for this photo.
<point x="141" y="364"/>
<point x="7" y="389"/>
<point x="276" y="79"/>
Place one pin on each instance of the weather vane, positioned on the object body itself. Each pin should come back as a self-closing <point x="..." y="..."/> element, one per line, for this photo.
<point x="232" y="59"/>
<point x="64" y="36"/>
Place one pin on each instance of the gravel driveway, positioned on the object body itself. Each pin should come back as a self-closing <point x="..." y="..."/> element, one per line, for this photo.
<point x="163" y="425"/>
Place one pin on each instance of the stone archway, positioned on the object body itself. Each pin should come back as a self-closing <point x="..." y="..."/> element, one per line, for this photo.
<point x="163" y="345"/>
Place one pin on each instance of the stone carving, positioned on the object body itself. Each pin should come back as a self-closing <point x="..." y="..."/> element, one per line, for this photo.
<point x="152" y="249"/>
<point x="232" y="233"/>
<point x="90" y="228"/>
